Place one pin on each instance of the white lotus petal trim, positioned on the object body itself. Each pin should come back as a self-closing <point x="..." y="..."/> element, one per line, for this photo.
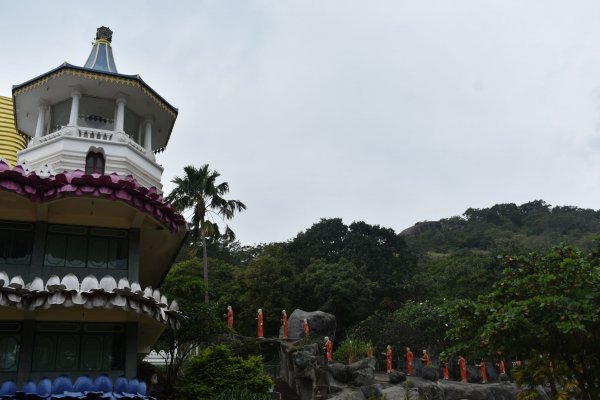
<point x="90" y="293"/>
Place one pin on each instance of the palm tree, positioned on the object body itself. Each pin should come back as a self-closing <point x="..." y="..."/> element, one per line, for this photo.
<point x="198" y="191"/>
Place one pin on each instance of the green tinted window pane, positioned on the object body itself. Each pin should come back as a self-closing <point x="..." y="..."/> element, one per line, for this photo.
<point x="57" y="327"/>
<point x="67" y="229"/>
<point x="44" y="353"/>
<point x="131" y="123"/>
<point x="92" y="353"/>
<point x="60" y="115"/>
<point x="104" y="328"/>
<point x="118" y="233"/>
<point x="98" y="252"/>
<point x="117" y="352"/>
<point x="117" y="254"/>
<point x="10" y="327"/>
<point x="56" y="248"/>
<point x="76" y="251"/>
<point x="4" y="236"/>
<point x="9" y="353"/>
<point x="67" y="352"/>
<point x="96" y="113"/>
<point x="21" y="245"/>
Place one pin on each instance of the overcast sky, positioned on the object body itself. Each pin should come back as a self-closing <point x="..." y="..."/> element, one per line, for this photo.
<point x="390" y="112"/>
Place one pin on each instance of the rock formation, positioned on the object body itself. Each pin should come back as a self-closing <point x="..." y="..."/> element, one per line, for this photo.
<point x="321" y="324"/>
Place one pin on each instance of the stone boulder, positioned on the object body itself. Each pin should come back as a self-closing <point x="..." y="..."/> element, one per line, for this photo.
<point x="396" y="376"/>
<point x="303" y="359"/>
<point x="503" y="378"/>
<point x="360" y="373"/>
<point x="340" y="372"/>
<point x="362" y="377"/>
<point x="372" y="391"/>
<point x="320" y="323"/>
<point x="430" y="374"/>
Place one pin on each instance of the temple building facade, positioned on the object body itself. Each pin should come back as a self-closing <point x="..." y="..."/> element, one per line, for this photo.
<point x="86" y="236"/>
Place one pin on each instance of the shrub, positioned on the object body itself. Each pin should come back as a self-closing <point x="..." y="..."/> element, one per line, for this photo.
<point x="216" y="369"/>
<point x="352" y="349"/>
<point x="242" y="394"/>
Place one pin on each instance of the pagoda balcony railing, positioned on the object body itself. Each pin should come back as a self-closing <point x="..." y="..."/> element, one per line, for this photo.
<point x="66" y="149"/>
<point x="91" y="134"/>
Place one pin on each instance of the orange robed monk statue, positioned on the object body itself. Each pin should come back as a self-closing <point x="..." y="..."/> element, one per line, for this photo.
<point x="409" y="361"/>
<point x="425" y="358"/>
<point x="445" y="372"/>
<point x="483" y="372"/>
<point x="501" y="368"/>
<point x="229" y="317"/>
<point x="306" y="328"/>
<point x="285" y="324"/>
<point x="328" y="349"/>
<point x="388" y="359"/>
<point x="260" y="323"/>
<point x="462" y="363"/>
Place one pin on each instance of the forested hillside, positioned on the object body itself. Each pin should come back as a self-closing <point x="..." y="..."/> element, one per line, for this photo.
<point x="358" y="270"/>
<point x="383" y="286"/>
<point x="531" y="226"/>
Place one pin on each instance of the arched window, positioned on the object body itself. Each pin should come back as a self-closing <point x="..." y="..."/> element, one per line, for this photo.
<point x="94" y="163"/>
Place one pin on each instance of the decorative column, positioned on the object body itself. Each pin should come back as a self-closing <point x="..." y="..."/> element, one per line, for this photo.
<point x="119" y="123"/>
<point x="148" y="136"/>
<point x="75" y="96"/>
<point x="39" y="129"/>
<point x="148" y="139"/>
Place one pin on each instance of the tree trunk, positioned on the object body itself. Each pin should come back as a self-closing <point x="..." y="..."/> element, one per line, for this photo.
<point x="205" y="258"/>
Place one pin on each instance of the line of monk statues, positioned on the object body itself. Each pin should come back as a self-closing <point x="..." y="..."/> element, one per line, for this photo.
<point x="462" y="364"/>
<point x="408" y="357"/>
<point x="259" y="319"/>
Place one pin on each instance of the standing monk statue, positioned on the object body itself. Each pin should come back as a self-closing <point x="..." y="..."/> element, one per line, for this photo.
<point x="409" y="361"/>
<point x="388" y="359"/>
<point x="483" y="372"/>
<point x="328" y="349"/>
<point x="425" y="358"/>
<point x="445" y="372"/>
<point x="260" y="323"/>
<point x="501" y="368"/>
<point x="229" y="317"/>
<point x="284" y="321"/>
<point x="306" y="328"/>
<point x="462" y="363"/>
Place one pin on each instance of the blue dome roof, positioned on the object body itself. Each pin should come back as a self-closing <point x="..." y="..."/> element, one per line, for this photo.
<point x="101" y="57"/>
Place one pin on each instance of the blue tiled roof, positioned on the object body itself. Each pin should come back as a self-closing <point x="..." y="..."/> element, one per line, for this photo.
<point x="101" y="57"/>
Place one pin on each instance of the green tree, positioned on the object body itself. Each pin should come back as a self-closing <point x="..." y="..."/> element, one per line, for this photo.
<point x="323" y="240"/>
<point x="202" y="322"/>
<point x="463" y="274"/>
<point x="216" y="369"/>
<point x="267" y="282"/>
<point x="543" y="306"/>
<point x="383" y="257"/>
<point x="199" y="192"/>
<point x="338" y="288"/>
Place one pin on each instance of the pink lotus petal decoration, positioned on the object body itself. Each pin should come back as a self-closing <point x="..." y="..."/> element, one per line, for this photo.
<point x="78" y="184"/>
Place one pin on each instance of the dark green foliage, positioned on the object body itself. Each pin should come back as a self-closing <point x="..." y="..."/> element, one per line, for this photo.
<point x="338" y="288"/>
<point x="267" y="282"/>
<point x="216" y="369"/>
<point x="185" y="281"/>
<point x="543" y="306"/>
<point x="352" y="349"/>
<point x="464" y="274"/>
<point x="419" y="325"/>
<point x="509" y="228"/>
<point x="242" y="394"/>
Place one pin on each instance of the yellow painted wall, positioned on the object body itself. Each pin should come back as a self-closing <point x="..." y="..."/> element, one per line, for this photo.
<point x="10" y="140"/>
